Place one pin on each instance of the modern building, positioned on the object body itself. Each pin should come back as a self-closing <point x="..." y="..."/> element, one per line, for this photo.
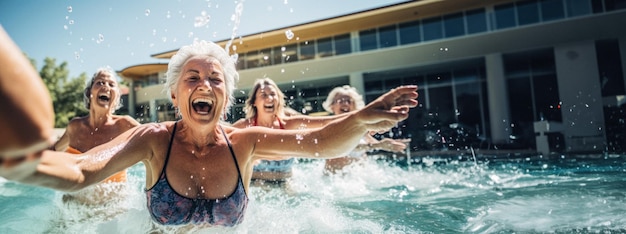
<point x="544" y="75"/>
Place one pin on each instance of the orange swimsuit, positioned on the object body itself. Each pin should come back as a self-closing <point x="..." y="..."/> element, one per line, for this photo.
<point x="118" y="177"/>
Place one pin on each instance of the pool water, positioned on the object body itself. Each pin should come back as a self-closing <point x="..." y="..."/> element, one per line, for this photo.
<point x="431" y="195"/>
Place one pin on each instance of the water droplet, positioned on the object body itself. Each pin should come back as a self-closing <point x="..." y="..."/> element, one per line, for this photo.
<point x="69" y="9"/>
<point x="201" y="20"/>
<point x="191" y="178"/>
<point x="147" y="12"/>
<point x="71" y="22"/>
<point x="315" y="141"/>
<point x="289" y="34"/>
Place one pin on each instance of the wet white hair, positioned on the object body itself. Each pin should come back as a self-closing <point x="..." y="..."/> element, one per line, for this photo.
<point x="208" y="49"/>
<point x="345" y="90"/>
<point x="87" y="92"/>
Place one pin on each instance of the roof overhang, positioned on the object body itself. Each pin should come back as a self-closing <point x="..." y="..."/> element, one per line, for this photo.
<point x="140" y="71"/>
<point x="401" y="12"/>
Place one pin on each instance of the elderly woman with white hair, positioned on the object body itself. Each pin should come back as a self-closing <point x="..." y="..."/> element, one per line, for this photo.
<point x="198" y="168"/>
<point x="102" y="97"/>
<point x="345" y="99"/>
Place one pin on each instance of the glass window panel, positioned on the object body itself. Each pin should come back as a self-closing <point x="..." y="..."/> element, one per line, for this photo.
<point x="612" y="5"/>
<point x="610" y="68"/>
<point x="368" y="40"/>
<point x="325" y="47"/>
<point x="442" y="105"/>
<point x="393" y="83"/>
<point x="433" y="28"/>
<point x="476" y="21"/>
<point x="439" y="78"/>
<point x="453" y="25"/>
<point x="252" y="59"/>
<point x="520" y="97"/>
<point x="409" y="32"/>
<point x="465" y="75"/>
<point x="291" y="53"/>
<point x="373" y="85"/>
<point x="527" y="12"/>
<point x="505" y="16"/>
<point x="265" y="57"/>
<point x="343" y="44"/>
<point x="578" y="7"/>
<point x="277" y="54"/>
<point x="546" y="90"/>
<point x="388" y="36"/>
<point x="552" y="10"/>
<point x="307" y="50"/>
<point x="468" y="105"/>
<point x="597" y="6"/>
<point x="241" y="62"/>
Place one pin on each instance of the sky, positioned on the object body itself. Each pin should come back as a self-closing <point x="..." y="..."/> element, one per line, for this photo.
<point x="118" y="33"/>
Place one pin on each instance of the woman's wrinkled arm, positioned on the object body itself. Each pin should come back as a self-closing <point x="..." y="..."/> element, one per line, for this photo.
<point x="70" y="172"/>
<point x="27" y="118"/>
<point x="339" y="136"/>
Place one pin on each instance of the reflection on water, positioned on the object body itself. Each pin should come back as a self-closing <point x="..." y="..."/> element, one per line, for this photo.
<point x="433" y="195"/>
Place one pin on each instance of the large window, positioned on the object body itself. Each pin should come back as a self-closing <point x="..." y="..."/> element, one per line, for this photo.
<point x="527" y="12"/>
<point x="453" y="103"/>
<point x="325" y="47"/>
<point x="433" y="28"/>
<point x="552" y="10"/>
<point x="610" y="67"/>
<point x="388" y="36"/>
<point x="343" y="44"/>
<point x="476" y="21"/>
<point x="533" y="91"/>
<point x="505" y="16"/>
<point x="410" y="32"/>
<point x="307" y="50"/>
<point x="368" y="39"/>
<point x="454" y="25"/>
<point x="578" y="7"/>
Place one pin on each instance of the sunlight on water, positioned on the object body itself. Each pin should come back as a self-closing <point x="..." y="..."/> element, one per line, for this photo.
<point x="376" y="196"/>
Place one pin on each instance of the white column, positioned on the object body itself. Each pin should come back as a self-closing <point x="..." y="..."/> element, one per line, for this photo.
<point x="499" y="113"/>
<point x="622" y="49"/>
<point x="581" y="97"/>
<point x="131" y="99"/>
<point x="153" y="111"/>
<point x="356" y="81"/>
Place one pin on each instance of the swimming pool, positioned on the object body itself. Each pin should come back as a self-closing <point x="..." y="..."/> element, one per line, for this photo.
<point x="434" y="195"/>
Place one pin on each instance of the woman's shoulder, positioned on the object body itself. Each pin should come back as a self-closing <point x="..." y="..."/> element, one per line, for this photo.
<point x="243" y="123"/>
<point x="126" y="120"/>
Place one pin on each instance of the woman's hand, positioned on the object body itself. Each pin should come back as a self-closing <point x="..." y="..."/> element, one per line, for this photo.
<point x="390" y="108"/>
<point x="392" y="145"/>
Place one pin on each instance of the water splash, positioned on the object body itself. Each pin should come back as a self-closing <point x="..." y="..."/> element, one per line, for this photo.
<point x="289" y="34"/>
<point x="236" y="18"/>
<point x="202" y="20"/>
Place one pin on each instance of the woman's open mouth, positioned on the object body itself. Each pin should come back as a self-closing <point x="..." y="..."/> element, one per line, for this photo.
<point x="202" y="106"/>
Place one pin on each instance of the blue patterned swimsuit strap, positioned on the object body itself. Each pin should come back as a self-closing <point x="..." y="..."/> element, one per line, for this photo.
<point x="232" y="153"/>
<point x="169" y="149"/>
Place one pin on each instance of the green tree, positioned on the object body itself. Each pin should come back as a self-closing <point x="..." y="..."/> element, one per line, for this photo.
<point x="66" y="94"/>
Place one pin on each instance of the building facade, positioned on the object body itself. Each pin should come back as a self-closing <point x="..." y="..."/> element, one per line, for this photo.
<point x="544" y="75"/>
